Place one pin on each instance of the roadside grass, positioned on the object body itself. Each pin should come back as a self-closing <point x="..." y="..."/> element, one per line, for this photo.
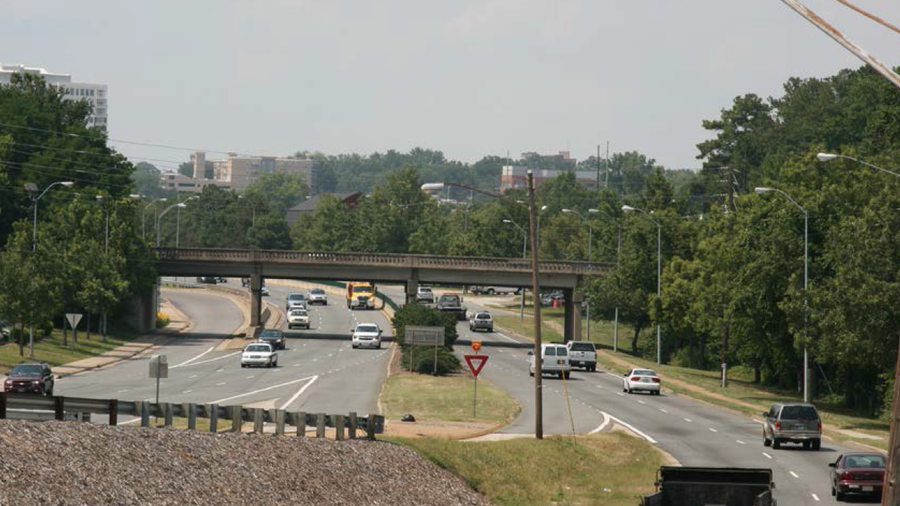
<point x="446" y="398"/>
<point x="741" y="395"/>
<point x="612" y="469"/>
<point x="52" y="351"/>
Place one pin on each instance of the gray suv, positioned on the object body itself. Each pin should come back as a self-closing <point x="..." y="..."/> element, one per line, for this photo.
<point x="793" y="422"/>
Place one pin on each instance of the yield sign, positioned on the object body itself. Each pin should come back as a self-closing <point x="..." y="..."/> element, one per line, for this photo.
<point x="73" y="319"/>
<point x="476" y="363"/>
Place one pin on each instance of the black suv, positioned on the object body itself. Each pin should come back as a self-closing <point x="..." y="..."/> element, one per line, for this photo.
<point x="273" y="337"/>
<point x="30" y="378"/>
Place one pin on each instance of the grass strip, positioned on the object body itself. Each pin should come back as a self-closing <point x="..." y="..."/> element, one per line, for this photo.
<point x="612" y="469"/>
<point x="52" y="351"/>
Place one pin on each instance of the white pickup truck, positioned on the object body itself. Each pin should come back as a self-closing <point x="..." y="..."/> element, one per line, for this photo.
<point x="582" y="354"/>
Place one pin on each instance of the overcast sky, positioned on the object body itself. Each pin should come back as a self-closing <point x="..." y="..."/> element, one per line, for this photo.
<point x="468" y="77"/>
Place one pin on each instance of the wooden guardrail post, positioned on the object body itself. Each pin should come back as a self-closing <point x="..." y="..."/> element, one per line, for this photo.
<point x="192" y="416"/>
<point x="338" y="427"/>
<point x="213" y="417"/>
<point x="301" y="424"/>
<point x="170" y="411"/>
<point x="320" y="425"/>
<point x="258" y="420"/>
<point x="145" y="413"/>
<point x="279" y="422"/>
<point x="59" y="405"/>
<point x="113" y="412"/>
<point x="236" y="419"/>
<point x="352" y="429"/>
<point x="370" y="427"/>
<point x="2" y="405"/>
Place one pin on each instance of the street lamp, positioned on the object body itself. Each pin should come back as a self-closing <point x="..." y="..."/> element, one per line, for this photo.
<point x="524" y="254"/>
<point x="760" y="190"/>
<point x="590" y="256"/>
<point x="629" y="209"/>
<point x="180" y="205"/>
<point x="144" y="211"/>
<point x="178" y="219"/>
<point x="33" y="189"/>
<point x="827" y="157"/>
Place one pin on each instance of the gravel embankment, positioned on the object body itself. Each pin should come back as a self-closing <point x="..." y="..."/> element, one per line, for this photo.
<point x="66" y="463"/>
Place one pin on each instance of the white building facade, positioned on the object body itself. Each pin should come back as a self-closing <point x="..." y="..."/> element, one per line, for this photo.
<point x="96" y="95"/>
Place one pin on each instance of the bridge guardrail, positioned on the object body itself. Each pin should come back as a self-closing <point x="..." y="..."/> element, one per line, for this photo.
<point x="59" y="407"/>
<point x="381" y="259"/>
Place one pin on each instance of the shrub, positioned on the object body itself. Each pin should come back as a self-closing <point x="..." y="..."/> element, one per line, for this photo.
<point x="162" y="319"/>
<point x="417" y="314"/>
<point x="423" y="360"/>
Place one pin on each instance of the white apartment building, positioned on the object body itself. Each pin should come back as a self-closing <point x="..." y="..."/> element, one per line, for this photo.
<point x="237" y="172"/>
<point x="93" y="94"/>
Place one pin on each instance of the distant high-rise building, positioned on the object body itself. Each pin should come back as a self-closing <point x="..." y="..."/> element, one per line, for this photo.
<point x="93" y="94"/>
<point x="237" y="172"/>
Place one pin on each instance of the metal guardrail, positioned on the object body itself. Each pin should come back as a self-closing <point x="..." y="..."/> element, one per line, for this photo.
<point x="63" y="408"/>
<point x="379" y="260"/>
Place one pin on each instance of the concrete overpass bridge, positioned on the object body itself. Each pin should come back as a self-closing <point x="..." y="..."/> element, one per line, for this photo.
<point x="408" y="270"/>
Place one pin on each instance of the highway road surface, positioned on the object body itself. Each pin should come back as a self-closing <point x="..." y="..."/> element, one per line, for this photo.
<point x="318" y="372"/>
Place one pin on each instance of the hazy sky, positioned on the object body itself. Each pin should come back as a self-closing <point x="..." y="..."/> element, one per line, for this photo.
<point x="468" y="77"/>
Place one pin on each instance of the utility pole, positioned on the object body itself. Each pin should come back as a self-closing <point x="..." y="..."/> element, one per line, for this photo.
<point x="891" y="492"/>
<point x="535" y="296"/>
<point x="598" y="167"/>
<point x="606" y="184"/>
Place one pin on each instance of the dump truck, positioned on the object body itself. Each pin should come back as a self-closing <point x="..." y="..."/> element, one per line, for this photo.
<point x="702" y="486"/>
<point x="452" y="303"/>
<point x="360" y="295"/>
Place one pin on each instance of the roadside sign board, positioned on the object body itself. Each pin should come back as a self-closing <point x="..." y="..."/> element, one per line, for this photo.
<point x="424" y="336"/>
<point x="476" y="345"/>
<point x="476" y="363"/>
<point x="159" y="367"/>
<point x="73" y="319"/>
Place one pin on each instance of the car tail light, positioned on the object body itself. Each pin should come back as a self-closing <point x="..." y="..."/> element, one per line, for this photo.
<point x="656" y="380"/>
<point x="846" y="475"/>
<point x="819" y="425"/>
<point x="635" y="378"/>
<point x="778" y="425"/>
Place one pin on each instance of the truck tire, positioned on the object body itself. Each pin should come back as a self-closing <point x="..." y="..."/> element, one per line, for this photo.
<point x="816" y="445"/>
<point x="766" y="441"/>
<point x="490" y="291"/>
<point x="776" y="444"/>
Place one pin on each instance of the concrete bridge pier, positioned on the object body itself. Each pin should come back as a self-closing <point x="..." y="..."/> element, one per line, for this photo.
<point x="412" y="288"/>
<point x="256" y="282"/>
<point x="572" y="318"/>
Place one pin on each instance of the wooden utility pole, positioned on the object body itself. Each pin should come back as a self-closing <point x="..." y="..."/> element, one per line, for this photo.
<point x="598" y="167"/>
<point x="891" y="494"/>
<point x="536" y="303"/>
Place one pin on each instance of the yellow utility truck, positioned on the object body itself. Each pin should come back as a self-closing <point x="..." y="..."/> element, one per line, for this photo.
<point x="360" y="295"/>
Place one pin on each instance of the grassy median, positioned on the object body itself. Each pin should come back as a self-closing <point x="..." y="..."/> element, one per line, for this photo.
<point x="446" y="398"/>
<point x="612" y="469"/>
<point x="52" y="351"/>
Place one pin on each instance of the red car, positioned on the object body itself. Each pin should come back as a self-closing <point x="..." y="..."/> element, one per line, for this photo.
<point x="857" y="473"/>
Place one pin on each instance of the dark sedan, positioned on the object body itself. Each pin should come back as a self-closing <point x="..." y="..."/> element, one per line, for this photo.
<point x="273" y="337"/>
<point x="30" y="378"/>
<point x="857" y="474"/>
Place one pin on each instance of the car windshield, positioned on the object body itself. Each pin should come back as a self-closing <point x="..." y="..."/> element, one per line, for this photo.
<point x="450" y="298"/>
<point x="258" y="347"/>
<point x="362" y="289"/>
<point x="367" y="328"/>
<point x="298" y="312"/>
<point x="583" y="347"/>
<point x="26" y="370"/>
<point x="425" y="290"/>
<point x="483" y="316"/>
<point x="270" y="333"/>
<point x="296" y="296"/>
<point x="864" y="461"/>
<point x="799" y="413"/>
<point x="644" y="372"/>
<point x="317" y="291"/>
<point x="555" y="351"/>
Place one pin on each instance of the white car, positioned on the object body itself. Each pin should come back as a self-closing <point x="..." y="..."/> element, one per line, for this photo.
<point x="555" y="360"/>
<point x="641" y="379"/>
<point x="366" y="335"/>
<point x="259" y="354"/>
<point x="317" y="296"/>
<point x="299" y="318"/>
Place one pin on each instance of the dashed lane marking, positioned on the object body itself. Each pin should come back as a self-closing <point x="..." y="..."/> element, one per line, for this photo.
<point x="815" y="497"/>
<point x="220" y="384"/>
<point x="712" y="430"/>
<point x="192" y="376"/>
<point x="122" y="391"/>
<point x="688" y="420"/>
<point x="251" y="376"/>
<point x="794" y="474"/>
<point x="664" y="411"/>
<point x="767" y="455"/>
<point x="740" y="442"/>
<point x="641" y="402"/>
<point x="187" y="391"/>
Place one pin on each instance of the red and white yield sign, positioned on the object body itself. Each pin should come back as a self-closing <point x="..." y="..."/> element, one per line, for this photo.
<point x="476" y="363"/>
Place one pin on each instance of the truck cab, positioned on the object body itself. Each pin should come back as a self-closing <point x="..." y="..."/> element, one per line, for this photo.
<point x="360" y="295"/>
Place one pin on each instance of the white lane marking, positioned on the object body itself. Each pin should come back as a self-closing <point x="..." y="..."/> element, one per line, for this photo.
<point x="296" y="365"/>
<point x="688" y="420"/>
<point x="220" y="384"/>
<point x="300" y="392"/>
<point x="712" y="430"/>
<point x="279" y="385"/>
<point x="188" y="361"/>
<point x="123" y="390"/>
<point x="740" y="442"/>
<point x="192" y="376"/>
<point x="814" y="496"/>
<point x="602" y="425"/>
<point x="641" y="402"/>
<point x="633" y="429"/>
<point x="599" y="386"/>
<point x="215" y="359"/>
<point x="767" y="455"/>
<point x="664" y="411"/>
<point x="620" y="393"/>
<point x="251" y="376"/>
<point x="794" y="474"/>
<point x="506" y="337"/>
<point x="187" y="391"/>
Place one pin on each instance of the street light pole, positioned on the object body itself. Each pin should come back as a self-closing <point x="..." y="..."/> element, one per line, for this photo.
<point x="629" y="209"/>
<point x="762" y="190"/>
<point x="590" y="256"/>
<point x="32" y="188"/>
<point x="159" y="218"/>
<point x="144" y="212"/>
<point x="524" y="254"/>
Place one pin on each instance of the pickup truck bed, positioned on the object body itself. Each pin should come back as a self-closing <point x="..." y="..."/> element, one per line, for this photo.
<point x="701" y="486"/>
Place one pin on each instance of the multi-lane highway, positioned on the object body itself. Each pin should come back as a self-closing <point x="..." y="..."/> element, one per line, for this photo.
<point x="318" y="372"/>
<point x="693" y="432"/>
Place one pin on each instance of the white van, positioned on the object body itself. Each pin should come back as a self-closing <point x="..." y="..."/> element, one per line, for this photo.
<point x="555" y="360"/>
